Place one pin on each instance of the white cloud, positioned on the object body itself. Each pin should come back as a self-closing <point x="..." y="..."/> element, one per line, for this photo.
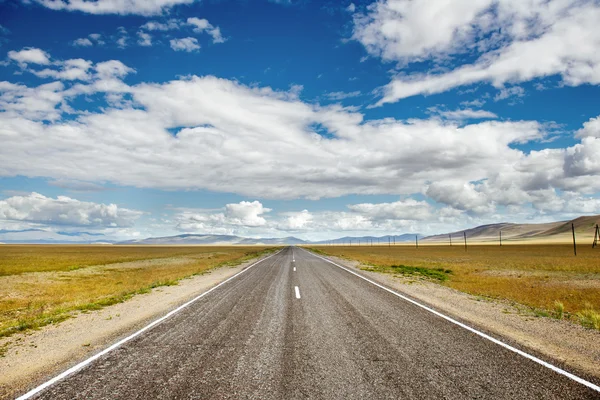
<point x="30" y="55"/>
<point x="188" y="44"/>
<point x="112" y="69"/>
<point x="256" y="141"/>
<point x="169" y="25"/>
<point x="201" y="25"/>
<point x="408" y="209"/>
<point x="295" y="221"/>
<point x="461" y="196"/>
<point x="90" y="40"/>
<point x="234" y="217"/>
<point x="123" y="7"/>
<point x="590" y="128"/>
<point x="463" y="114"/>
<point x="144" y="39"/>
<point x="473" y="103"/>
<point x="342" y="95"/>
<point x="517" y="41"/>
<point x="70" y="70"/>
<point x="246" y="213"/>
<point x="351" y="8"/>
<point x="505" y="93"/>
<point x="82" y="42"/>
<point x="403" y="29"/>
<point x="39" y="209"/>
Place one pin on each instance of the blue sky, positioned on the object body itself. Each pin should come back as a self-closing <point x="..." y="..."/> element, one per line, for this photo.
<point x="126" y="119"/>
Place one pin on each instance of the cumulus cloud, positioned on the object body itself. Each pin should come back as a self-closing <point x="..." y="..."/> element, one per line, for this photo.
<point x="230" y="219"/>
<point x="295" y="221"/>
<point x="70" y="70"/>
<point x="30" y="55"/>
<point x="90" y="40"/>
<point x="590" y="128"/>
<point x="123" y="7"/>
<point x="39" y="209"/>
<point x="461" y="197"/>
<point x="409" y="209"/>
<point x="220" y="135"/>
<point x="516" y="41"/>
<point x="169" y="25"/>
<point x="246" y="213"/>
<point x="144" y="39"/>
<point x="188" y="44"/>
<point x="202" y="25"/>
<point x="82" y="42"/>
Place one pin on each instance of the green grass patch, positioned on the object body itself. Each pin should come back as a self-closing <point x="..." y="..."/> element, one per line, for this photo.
<point x="437" y="274"/>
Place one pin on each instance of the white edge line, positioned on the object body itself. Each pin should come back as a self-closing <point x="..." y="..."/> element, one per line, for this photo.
<point x="297" y="292"/>
<point x="88" y="361"/>
<point x="475" y="331"/>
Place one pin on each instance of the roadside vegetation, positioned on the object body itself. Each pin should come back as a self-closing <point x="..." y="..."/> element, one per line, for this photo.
<point x="41" y="285"/>
<point x="546" y="278"/>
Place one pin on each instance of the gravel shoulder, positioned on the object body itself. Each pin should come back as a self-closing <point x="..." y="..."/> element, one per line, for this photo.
<point x="31" y="358"/>
<point x="570" y="345"/>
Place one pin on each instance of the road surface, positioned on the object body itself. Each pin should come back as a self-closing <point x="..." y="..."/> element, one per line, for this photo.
<point x="300" y="329"/>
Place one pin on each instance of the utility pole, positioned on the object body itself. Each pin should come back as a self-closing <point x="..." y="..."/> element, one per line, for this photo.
<point x="596" y="237"/>
<point x="574" y="243"/>
<point x="394" y="240"/>
<point x="417" y="241"/>
<point x="500" y="238"/>
<point x="465" y="235"/>
<point x="450" y="237"/>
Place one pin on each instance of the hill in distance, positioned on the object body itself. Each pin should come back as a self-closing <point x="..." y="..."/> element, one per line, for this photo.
<point x="552" y="231"/>
<point x="222" y="240"/>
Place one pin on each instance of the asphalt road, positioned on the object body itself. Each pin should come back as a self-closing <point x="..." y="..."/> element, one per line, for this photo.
<point x="335" y="337"/>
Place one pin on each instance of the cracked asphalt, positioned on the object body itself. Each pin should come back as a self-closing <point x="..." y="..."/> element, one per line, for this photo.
<point x="344" y="338"/>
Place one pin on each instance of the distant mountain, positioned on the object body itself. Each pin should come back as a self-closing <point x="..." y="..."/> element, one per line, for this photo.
<point x="188" y="239"/>
<point x="407" y="237"/>
<point x="584" y="227"/>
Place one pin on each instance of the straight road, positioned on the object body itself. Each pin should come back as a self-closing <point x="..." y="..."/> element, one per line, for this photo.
<point x="300" y="329"/>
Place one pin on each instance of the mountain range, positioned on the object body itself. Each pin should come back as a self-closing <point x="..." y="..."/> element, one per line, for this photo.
<point x="552" y="231"/>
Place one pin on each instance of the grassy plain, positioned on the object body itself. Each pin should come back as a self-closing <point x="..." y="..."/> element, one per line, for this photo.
<point x="548" y="278"/>
<point x="40" y="285"/>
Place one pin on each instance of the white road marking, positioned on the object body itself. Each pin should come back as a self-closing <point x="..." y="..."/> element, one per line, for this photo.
<point x="475" y="331"/>
<point x="84" y="363"/>
<point x="297" y="292"/>
<point x="294" y="269"/>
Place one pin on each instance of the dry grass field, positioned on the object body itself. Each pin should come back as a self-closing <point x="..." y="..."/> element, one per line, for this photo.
<point x="40" y="285"/>
<point x="547" y="278"/>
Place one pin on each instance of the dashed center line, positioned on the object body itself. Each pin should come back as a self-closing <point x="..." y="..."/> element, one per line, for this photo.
<point x="294" y="269"/>
<point x="297" y="292"/>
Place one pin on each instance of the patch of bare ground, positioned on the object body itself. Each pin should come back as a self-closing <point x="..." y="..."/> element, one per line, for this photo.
<point x="565" y="342"/>
<point x="27" y="359"/>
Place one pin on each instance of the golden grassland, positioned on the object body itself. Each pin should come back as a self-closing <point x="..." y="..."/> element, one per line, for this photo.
<point x="42" y="284"/>
<point x="547" y="278"/>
